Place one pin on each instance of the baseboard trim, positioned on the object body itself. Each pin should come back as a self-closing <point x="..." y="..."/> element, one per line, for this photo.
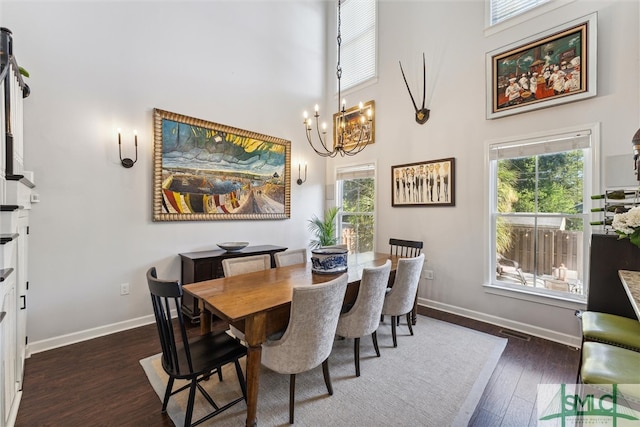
<point x="547" y="334"/>
<point x="75" y="337"/>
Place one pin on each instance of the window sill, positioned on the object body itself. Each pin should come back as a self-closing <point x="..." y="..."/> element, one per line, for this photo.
<point x="572" y="302"/>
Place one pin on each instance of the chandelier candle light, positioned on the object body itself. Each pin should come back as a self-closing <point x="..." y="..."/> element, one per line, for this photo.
<point x="346" y="143"/>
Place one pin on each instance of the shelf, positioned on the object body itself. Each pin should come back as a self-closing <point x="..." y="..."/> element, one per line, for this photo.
<point x="4" y="273"/>
<point x="6" y="238"/>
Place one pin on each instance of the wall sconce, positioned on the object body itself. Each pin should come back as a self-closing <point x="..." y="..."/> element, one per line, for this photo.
<point x="126" y="162"/>
<point x="300" y="180"/>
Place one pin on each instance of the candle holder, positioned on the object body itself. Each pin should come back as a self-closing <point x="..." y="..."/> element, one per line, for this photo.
<point x="127" y="162"/>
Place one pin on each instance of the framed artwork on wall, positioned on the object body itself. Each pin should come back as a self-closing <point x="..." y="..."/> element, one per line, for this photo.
<point x="429" y="183"/>
<point x="208" y="171"/>
<point x="355" y="116"/>
<point x="550" y="68"/>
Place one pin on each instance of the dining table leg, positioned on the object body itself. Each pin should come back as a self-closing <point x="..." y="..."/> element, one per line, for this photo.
<point x="254" y="334"/>
<point x="205" y="319"/>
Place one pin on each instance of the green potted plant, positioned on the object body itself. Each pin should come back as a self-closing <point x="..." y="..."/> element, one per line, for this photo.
<point x="324" y="230"/>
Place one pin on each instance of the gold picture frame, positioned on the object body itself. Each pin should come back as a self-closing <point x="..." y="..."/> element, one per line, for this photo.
<point x="353" y="116"/>
<point x="206" y="171"/>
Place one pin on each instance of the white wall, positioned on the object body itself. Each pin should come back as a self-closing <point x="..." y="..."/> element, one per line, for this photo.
<point x="96" y="66"/>
<point x="451" y="34"/>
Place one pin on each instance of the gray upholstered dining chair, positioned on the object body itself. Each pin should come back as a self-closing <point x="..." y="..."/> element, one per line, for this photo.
<point x="244" y="265"/>
<point x="247" y="264"/>
<point x="291" y="257"/>
<point x="400" y="298"/>
<point x="364" y="317"/>
<point x="308" y="339"/>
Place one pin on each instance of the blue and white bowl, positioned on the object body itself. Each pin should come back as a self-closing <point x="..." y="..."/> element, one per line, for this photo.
<point x="329" y="260"/>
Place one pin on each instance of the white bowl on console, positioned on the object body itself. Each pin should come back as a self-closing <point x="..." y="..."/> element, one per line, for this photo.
<point x="232" y="246"/>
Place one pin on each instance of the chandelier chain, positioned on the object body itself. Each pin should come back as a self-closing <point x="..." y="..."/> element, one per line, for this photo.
<point x="344" y="127"/>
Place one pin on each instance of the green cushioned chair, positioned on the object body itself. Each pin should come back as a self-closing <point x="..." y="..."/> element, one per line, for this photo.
<point x="608" y="364"/>
<point x="611" y="329"/>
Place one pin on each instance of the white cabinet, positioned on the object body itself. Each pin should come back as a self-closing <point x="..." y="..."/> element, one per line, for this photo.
<point x="9" y="351"/>
<point x="15" y="202"/>
<point x="14" y="233"/>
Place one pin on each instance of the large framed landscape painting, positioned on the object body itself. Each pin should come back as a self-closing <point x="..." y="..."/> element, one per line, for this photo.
<point x="428" y="183"/>
<point x="550" y="68"/>
<point x="208" y="171"/>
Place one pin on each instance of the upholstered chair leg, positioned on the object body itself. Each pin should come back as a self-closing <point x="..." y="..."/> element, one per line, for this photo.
<point x="374" y="337"/>
<point x="393" y="331"/>
<point x="192" y="396"/>
<point x="292" y="396"/>
<point x="243" y="383"/>
<point x="327" y="377"/>
<point x="219" y="373"/>
<point x="356" y="355"/>
<point x="409" y="322"/>
<point x="167" y="395"/>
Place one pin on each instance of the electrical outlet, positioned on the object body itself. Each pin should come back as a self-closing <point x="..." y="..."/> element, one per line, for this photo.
<point x="428" y="274"/>
<point x="124" y="289"/>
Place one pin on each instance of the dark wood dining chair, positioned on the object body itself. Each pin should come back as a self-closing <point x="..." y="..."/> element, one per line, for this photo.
<point x="405" y="248"/>
<point x="192" y="360"/>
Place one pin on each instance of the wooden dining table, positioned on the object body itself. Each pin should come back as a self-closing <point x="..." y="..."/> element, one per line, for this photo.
<point x="631" y="283"/>
<point x="258" y="304"/>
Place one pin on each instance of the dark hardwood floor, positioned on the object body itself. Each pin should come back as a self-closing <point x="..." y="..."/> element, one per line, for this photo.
<point x="101" y="383"/>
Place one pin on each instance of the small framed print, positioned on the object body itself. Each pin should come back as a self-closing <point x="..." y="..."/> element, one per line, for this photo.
<point x="429" y="183"/>
<point x="358" y="119"/>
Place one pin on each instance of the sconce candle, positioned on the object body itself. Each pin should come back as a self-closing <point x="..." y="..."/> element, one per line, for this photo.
<point x="127" y="162"/>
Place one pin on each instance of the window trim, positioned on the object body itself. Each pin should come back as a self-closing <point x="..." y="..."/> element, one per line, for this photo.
<point x="354" y="167"/>
<point x="520" y="18"/>
<point x="492" y="286"/>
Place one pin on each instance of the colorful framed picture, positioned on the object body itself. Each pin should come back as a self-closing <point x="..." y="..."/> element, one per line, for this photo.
<point x="430" y="183"/>
<point x="355" y="116"/>
<point x="208" y="171"/>
<point x="550" y="68"/>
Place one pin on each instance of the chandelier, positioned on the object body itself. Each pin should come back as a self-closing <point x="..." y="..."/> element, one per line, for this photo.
<point x="352" y="131"/>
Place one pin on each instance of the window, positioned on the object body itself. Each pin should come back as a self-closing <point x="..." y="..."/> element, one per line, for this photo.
<point x="539" y="228"/>
<point x="355" y="195"/>
<point x="501" y="10"/>
<point x="358" y="47"/>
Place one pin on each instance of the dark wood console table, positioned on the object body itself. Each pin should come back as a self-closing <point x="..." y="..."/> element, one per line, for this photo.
<point x="206" y="265"/>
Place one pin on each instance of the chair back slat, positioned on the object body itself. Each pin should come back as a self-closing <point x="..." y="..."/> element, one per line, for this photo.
<point x="165" y="296"/>
<point x="405" y="248"/>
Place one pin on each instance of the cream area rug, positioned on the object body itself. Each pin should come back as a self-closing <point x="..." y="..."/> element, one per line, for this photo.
<point x="434" y="378"/>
